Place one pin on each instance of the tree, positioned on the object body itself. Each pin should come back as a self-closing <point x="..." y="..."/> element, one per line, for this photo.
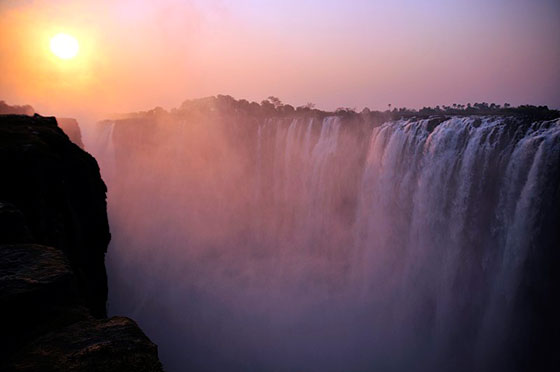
<point x="267" y="106"/>
<point x="275" y="101"/>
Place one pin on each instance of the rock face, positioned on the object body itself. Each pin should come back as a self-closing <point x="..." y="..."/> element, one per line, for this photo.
<point x="13" y="228"/>
<point x="38" y="293"/>
<point x="114" y="344"/>
<point x="53" y="239"/>
<point x="58" y="189"/>
<point x="437" y="234"/>
<point x="68" y="125"/>
<point x="72" y="129"/>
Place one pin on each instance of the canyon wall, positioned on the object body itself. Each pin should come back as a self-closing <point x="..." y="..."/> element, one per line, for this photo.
<point x="268" y="238"/>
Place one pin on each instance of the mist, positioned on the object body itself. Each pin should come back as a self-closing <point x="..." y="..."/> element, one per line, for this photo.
<point x="251" y="235"/>
<point x="251" y="241"/>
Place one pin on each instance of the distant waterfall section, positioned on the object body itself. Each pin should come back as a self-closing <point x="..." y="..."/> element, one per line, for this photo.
<point x="323" y="244"/>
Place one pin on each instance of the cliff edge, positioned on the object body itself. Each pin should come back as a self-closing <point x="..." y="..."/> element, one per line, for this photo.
<point x="53" y="239"/>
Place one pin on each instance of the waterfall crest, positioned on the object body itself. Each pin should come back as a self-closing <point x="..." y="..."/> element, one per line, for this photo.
<point x="329" y="243"/>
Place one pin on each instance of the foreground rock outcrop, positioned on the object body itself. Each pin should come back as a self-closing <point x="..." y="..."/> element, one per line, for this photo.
<point x="115" y="344"/>
<point x="58" y="189"/>
<point x="53" y="239"/>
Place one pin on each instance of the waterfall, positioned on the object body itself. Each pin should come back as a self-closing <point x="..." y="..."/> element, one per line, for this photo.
<point x="100" y="140"/>
<point x="330" y="243"/>
<point x="455" y="210"/>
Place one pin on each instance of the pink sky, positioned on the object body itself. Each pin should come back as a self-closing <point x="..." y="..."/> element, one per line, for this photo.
<point x="136" y="55"/>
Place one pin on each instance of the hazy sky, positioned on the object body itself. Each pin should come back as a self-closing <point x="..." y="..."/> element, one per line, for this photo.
<point x="140" y="54"/>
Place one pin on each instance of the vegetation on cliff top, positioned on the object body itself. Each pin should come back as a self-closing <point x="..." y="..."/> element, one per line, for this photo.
<point x="272" y="106"/>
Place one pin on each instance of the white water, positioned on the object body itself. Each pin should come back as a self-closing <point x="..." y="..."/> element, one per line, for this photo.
<point x="308" y="244"/>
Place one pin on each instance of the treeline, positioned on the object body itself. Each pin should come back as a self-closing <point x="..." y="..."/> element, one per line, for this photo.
<point x="273" y="106"/>
<point x="486" y="109"/>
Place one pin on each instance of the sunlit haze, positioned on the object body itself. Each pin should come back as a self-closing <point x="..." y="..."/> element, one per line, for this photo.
<point x="137" y="54"/>
<point x="64" y="46"/>
<point x="279" y="185"/>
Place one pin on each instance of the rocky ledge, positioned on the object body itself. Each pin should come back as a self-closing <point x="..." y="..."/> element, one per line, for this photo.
<point x="53" y="239"/>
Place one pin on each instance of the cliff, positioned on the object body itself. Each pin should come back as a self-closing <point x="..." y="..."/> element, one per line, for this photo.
<point x="68" y="125"/>
<point x="53" y="239"/>
<point x="71" y="128"/>
<point x="288" y="211"/>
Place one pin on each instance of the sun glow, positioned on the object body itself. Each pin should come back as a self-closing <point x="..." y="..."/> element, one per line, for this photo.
<point x="64" y="46"/>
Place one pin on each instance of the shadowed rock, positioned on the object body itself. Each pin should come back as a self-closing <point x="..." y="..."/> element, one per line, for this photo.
<point x="13" y="228"/>
<point x="115" y="344"/>
<point x="37" y="294"/>
<point x="68" y="125"/>
<point x="59" y="190"/>
<point x="53" y="238"/>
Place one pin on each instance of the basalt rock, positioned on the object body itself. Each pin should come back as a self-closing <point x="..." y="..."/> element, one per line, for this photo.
<point x="13" y="228"/>
<point x="53" y="239"/>
<point x="109" y="345"/>
<point x="37" y="294"/>
<point x="57" y="187"/>
<point x="68" y="125"/>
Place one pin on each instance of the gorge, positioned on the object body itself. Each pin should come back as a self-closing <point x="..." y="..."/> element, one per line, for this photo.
<point x="279" y="186"/>
<point x="251" y="237"/>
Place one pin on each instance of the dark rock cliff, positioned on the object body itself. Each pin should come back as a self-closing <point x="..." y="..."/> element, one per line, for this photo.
<point x="68" y="125"/>
<point x="53" y="239"/>
<point x="58" y="189"/>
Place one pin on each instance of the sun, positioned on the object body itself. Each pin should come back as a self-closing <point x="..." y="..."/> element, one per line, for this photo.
<point x="64" y="46"/>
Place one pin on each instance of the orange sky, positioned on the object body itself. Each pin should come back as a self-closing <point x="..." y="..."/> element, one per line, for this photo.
<point x="138" y="54"/>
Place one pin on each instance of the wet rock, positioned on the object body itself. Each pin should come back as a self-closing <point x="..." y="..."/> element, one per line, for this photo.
<point x="433" y="122"/>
